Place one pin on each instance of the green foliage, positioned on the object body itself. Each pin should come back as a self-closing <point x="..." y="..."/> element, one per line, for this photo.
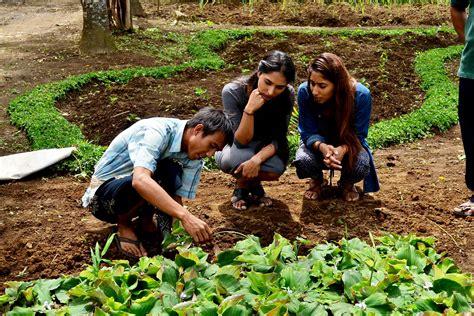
<point x="164" y="47"/>
<point x="439" y="110"/>
<point x="35" y="112"/>
<point x="398" y="276"/>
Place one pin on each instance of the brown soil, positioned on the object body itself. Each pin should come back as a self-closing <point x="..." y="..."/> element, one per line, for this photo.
<point x="383" y="63"/>
<point x="46" y="233"/>
<point x="307" y="13"/>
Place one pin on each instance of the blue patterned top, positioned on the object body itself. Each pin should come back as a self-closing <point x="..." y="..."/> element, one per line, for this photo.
<point x="313" y="127"/>
<point x="143" y="145"/>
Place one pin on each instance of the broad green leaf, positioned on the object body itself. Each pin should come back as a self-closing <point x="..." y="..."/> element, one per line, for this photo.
<point x="143" y="306"/>
<point x="147" y="282"/>
<point x="312" y="309"/>
<point x="462" y="303"/>
<point x="21" y="311"/>
<point x="275" y="248"/>
<point x="253" y="259"/>
<point x="81" y="307"/>
<point x="204" y="286"/>
<point x="376" y="299"/>
<point x="170" y="275"/>
<point x="447" y="265"/>
<point x="261" y="283"/>
<point x="227" y="257"/>
<point x="29" y="294"/>
<point x="351" y="278"/>
<point x="274" y="310"/>
<point x="427" y="304"/>
<point x="4" y="299"/>
<point x="347" y="262"/>
<point x="236" y="310"/>
<point x="131" y="281"/>
<point x="100" y="312"/>
<point x="230" y="301"/>
<point x="190" y="274"/>
<point x="14" y="288"/>
<point x="448" y="285"/>
<point x="340" y="309"/>
<point x="206" y="308"/>
<point x="211" y="270"/>
<point x="186" y="259"/>
<point x="250" y="246"/>
<point x="226" y="284"/>
<point x="43" y="289"/>
<point x="413" y="257"/>
<point x="233" y="270"/>
<point x="110" y="289"/>
<point x="296" y="280"/>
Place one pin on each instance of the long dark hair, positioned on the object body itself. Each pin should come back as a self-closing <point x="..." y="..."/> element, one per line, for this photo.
<point x="274" y="60"/>
<point x="331" y="67"/>
<point x="270" y="118"/>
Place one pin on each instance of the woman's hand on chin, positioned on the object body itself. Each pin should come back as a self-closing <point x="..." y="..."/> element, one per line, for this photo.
<point x="255" y="102"/>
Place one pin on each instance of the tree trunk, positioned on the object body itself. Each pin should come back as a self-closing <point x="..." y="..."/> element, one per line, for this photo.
<point x="96" y="34"/>
<point x="121" y="17"/>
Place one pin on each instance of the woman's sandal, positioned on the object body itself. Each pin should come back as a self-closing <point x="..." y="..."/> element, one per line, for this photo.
<point x="350" y="193"/>
<point x="239" y="199"/>
<point x="314" y="191"/>
<point x="465" y="209"/>
<point x="259" y="196"/>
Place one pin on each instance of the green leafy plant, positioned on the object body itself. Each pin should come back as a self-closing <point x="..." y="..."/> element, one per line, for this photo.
<point x="200" y="91"/>
<point x="397" y="275"/>
<point x="132" y="118"/>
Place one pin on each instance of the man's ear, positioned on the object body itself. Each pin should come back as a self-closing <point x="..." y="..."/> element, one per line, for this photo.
<point x="198" y="128"/>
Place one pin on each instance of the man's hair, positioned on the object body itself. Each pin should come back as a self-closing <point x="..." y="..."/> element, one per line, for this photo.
<point x="214" y="120"/>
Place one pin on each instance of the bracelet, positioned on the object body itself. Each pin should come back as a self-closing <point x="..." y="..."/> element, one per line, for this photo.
<point x="248" y="113"/>
<point x="319" y="145"/>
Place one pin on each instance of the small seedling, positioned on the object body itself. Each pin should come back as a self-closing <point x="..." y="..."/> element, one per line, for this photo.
<point x="113" y="99"/>
<point x="132" y="117"/>
<point x="200" y="91"/>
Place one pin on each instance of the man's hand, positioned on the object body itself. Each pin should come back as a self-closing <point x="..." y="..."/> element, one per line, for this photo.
<point x="249" y="169"/>
<point x="198" y="229"/>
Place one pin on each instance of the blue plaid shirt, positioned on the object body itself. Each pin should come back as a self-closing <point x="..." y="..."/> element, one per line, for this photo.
<point x="143" y="145"/>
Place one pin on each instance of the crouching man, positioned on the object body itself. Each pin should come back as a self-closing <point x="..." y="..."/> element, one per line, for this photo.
<point x="147" y="169"/>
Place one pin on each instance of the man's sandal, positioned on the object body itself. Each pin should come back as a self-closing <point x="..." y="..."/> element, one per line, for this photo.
<point x="350" y="193"/>
<point x="314" y="191"/>
<point x="240" y="198"/>
<point x="119" y="240"/>
<point x="259" y="196"/>
<point x="465" y="209"/>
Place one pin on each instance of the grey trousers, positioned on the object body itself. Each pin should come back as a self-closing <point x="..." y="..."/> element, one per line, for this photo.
<point x="310" y="165"/>
<point x="232" y="156"/>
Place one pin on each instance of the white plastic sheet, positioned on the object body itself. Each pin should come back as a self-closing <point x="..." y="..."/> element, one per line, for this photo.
<point x="20" y="165"/>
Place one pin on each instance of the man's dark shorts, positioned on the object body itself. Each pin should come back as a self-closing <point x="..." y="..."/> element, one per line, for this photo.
<point x="117" y="196"/>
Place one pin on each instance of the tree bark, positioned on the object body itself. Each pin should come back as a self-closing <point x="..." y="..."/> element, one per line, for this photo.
<point x="96" y="34"/>
<point x="121" y="18"/>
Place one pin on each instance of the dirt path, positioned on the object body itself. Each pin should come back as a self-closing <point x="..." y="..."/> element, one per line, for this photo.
<point x="22" y="31"/>
<point x="46" y="233"/>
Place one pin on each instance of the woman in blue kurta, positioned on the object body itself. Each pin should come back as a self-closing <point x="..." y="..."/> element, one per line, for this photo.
<point x="334" y="115"/>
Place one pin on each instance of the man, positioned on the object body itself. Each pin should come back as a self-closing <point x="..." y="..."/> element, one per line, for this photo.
<point x="152" y="165"/>
<point x="464" y="26"/>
